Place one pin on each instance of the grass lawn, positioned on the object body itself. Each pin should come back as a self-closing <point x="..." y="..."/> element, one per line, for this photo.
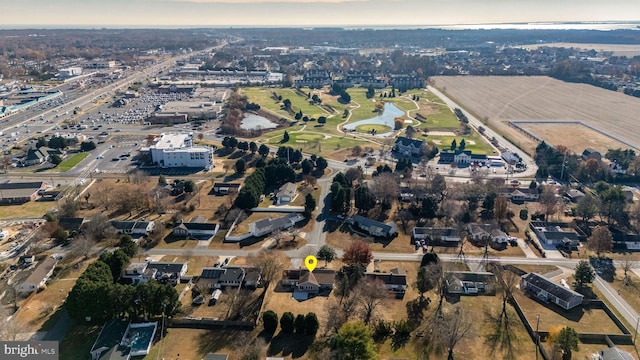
<point x="194" y="263"/>
<point x="78" y="342"/>
<point x="32" y="209"/>
<point x="367" y="128"/>
<point x="315" y="141"/>
<point x="70" y="162"/>
<point x="583" y="321"/>
<point x="540" y="269"/>
<point x="474" y="142"/>
<point x="631" y="292"/>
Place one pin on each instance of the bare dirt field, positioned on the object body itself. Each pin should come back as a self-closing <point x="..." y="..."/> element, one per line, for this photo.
<point x="582" y="137"/>
<point x="500" y="99"/>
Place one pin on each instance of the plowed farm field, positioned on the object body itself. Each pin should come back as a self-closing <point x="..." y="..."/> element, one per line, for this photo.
<point x="497" y="100"/>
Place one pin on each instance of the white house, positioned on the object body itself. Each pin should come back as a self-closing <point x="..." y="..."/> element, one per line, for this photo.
<point x="162" y="272"/>
<point x="446" y="236"/>
<point x="286" y="193"/>
<point x="266" y="226"/>
<point x="196" y="230"/>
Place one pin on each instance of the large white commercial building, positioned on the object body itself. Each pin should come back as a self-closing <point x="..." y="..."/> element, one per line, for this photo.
<point x="177" y="150"/>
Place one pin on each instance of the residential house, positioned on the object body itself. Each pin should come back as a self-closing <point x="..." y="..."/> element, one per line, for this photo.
<point x="162" y="272"/>
<point x="139" y="228"/>
<point x="19" y="192"/>
<point x="519" y="195"/>
<point x="482" y="232"/>
<point x="574" y="195"/>
<point x="439" y="236"/>
<point x="232" y="277"/>
<point x="39" y="155"/>
<point x="38" y="278"/>
<point x="266" y="226"/>
<point x="590" y="153"/>
<point x="395" y="280"/>
<point x="226" y="188"/>
<point x="546" y="290"/>
<point x="617" y="168"/>
<point x="303" y="280"/>
<point x="196" y="229"/>
<point x="315" y="79"/>
<point x="554" y="233"/>
<point x="408" y="147"/>
<point x="286" y="193"/>
<point x="218" y="277"/>
<point x="168" y="272"/>
<point x="470" y="283"/>
<point x="373" y="227"/>
<point x="612" y="353"/>
<point x="107" y="345"/>
<point x="71" y="224"/>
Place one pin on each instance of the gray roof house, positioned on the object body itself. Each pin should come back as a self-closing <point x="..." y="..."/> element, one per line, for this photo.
<point x="162" y="272"/>
<point x="232" y="277"/>
<point x="441" y="236"/>
<point x="407" y="146"/>
<point x="39" y="276"/>
<point x="196" y="229"/>
<point x="266" y="226"/>
<point x="590" y="153"/>
<point x="553" y="234"/>
<point x="395" y="280"/>
<point x="133" y="227"/>
<point x="373" y="227"/>
<point x="286" y="193"/>
<point x="470" y="283"/>
<point x="19" y="192"/>
<point x="546" y="290"/>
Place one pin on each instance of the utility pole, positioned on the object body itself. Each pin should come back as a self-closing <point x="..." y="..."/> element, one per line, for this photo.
<point x="635" y="335"/>
<point x="564" y="158"/>
<point x="537" y="335"/>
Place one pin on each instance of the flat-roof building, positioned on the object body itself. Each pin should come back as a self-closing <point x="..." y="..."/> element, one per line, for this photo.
<point x="177" y="150"/>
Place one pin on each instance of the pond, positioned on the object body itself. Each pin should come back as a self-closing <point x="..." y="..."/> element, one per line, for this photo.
<point x="386" y="118"/>
<point x="256" y="122"/>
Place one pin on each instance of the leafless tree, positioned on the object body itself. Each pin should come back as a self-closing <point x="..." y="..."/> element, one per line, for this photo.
<point x="103" y="194"/>
<point x="82" y="244"/>
<point x="600" y="240"/>
<point x="626" y="263"/>
<point x="68" y="207"/>
<point x="139" y="177"/>
<point x="98" y="227"/>
<point x="277" y="236"/>
<point x="370" y="294"/>
<point x="269" y="263"/>
<point x="500" y="209"/>
<point x="159" y="199"/>
<point x="385" y="187"/>
<point x="549" y="202"/>
<point x="341" y="311"/>
<point x="6" y="163"/>
<point x="457" y="325"/>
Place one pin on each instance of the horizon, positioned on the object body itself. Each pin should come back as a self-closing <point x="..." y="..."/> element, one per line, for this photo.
<point x="532" y="25"/>
<point x="310" y="13"/>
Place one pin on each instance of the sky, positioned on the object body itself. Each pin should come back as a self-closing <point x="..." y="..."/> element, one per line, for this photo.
<point x="225" y="13"/>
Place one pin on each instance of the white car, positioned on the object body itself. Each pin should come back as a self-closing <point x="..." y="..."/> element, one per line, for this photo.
<point x="100" y="157"/>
